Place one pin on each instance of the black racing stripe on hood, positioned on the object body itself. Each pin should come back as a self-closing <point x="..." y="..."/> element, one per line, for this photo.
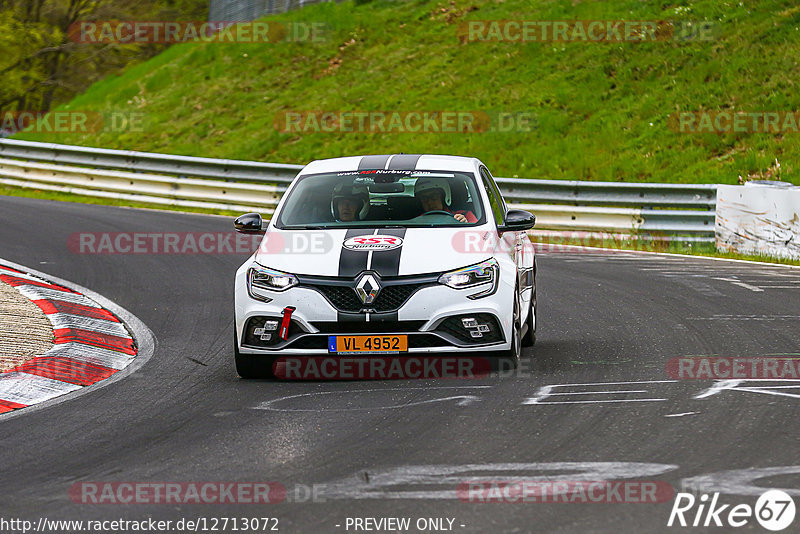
<point x="387" y="263"/>
<point x="373" y="162"/>
<point x="405" y="162"/>
<point x="352" y="262"/>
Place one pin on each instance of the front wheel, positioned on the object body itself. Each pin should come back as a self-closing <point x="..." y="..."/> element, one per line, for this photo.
<point x="529" y="339"/>
<point x="514" y="354"/>
<point x="249" y="366"/>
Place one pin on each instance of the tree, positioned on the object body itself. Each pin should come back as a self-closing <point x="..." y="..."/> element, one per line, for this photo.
<point x="42" y="67"/>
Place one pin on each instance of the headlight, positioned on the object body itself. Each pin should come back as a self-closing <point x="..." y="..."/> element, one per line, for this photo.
<point x="262" y="278"/>
<point x="486" y="272"/>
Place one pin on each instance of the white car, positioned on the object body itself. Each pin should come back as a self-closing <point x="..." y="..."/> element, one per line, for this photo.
<point x="397" y="255"/>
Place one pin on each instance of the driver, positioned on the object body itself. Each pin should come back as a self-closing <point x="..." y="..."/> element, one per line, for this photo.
<point x="350" y="202"/>
<point x="434" y="195"/>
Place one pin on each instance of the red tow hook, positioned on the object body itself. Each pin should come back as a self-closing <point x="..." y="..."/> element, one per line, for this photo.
<point x="287" y="318"/>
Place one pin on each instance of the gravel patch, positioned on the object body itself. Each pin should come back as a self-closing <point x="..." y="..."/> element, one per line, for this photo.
<point x="25" y="331"/>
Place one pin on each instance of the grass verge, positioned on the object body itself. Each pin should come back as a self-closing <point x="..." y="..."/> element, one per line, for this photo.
<point x="597" y="110"/>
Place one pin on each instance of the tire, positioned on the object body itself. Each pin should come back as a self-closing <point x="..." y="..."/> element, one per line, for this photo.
<point x="529" y="339"/>
<point x="514" y="354"/>
<point x="249" y="367"/>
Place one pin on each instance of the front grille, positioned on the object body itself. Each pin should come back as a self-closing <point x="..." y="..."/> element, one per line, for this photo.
<point x="312" y="341"/>
<point x="393" y="294"/>
<point x="371" y="327"/>
<point x="420" y="341"/>
<point x="389" y="299"/>
<point x="342" y="297"/>
<point x="392" y="297"/>
<point x="454" y="328"/>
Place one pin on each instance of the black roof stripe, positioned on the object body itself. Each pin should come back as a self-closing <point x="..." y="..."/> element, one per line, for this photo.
<point x="405" y="162"/>
<point x="373" y="162"/>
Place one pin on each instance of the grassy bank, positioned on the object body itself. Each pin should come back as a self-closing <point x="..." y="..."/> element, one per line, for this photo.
<point x="597" y="111"/>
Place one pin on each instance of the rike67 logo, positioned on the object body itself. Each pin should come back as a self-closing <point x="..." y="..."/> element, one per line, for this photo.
<point x="774" y="510"/>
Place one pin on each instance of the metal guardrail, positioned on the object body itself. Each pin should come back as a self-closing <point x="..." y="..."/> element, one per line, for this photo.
<point x="691" y="196"/>
<point x="247" y="10"/>
<point x="141" y="187"/>
<point x="149" y="162"/>
<point x="671" y="209"/>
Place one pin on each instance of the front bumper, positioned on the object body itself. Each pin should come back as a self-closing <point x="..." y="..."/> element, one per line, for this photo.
<point x="430" y="316"/>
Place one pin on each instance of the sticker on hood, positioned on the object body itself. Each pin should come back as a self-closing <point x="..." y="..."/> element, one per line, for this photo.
<point x="373" y="242"/>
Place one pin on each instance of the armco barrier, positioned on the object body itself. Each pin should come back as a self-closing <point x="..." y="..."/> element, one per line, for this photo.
<point x="645" y="209"/>
<point x="189" y="192"/>
<point x="103" y="158"/>
<point x="246" y="10"/>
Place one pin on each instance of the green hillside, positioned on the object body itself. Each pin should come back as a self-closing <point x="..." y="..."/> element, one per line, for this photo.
<point x="599" y="111"/>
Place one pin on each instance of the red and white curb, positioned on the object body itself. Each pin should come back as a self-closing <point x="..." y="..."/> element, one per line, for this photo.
<point x="91" y="343"/>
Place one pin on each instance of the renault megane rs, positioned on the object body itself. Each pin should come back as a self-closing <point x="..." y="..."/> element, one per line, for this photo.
<point x="395" y="255"/>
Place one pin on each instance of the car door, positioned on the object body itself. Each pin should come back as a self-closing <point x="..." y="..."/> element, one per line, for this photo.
<point x="518" y="245"/>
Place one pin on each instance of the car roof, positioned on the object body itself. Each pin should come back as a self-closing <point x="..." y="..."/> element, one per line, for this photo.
<point x="428" y="162"/>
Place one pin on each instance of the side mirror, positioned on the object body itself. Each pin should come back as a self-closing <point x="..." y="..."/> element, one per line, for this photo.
<point x="249" y="223"/>
<point x="518" y="221"/>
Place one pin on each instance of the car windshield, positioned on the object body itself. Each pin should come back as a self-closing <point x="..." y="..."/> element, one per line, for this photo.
<point x="381" y="198"/>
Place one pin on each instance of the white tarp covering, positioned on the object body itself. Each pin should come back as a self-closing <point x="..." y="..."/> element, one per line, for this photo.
<point x="759" y="219"/>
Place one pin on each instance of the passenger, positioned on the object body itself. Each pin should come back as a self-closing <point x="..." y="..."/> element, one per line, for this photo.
<point x="434" y="195"/>
<point x="350" y="202"/>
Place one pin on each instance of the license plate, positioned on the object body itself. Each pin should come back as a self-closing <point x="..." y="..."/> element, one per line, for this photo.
<point x="367" y="344"/>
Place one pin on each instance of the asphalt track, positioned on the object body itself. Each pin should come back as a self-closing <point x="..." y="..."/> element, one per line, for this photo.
<point x="604" y="318"/>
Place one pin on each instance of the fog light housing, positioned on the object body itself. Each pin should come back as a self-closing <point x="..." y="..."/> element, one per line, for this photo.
<point x="469" y="329"/>
<point x="475" y="329"/>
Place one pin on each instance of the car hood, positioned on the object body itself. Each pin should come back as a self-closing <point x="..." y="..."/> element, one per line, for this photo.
<point x="387" y="251"/>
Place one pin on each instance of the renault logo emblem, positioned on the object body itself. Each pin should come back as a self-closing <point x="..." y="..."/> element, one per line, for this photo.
<point x="367" y="288"/>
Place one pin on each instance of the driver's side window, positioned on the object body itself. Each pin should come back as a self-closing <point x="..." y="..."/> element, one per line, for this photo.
<point x="495" y="202"/>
